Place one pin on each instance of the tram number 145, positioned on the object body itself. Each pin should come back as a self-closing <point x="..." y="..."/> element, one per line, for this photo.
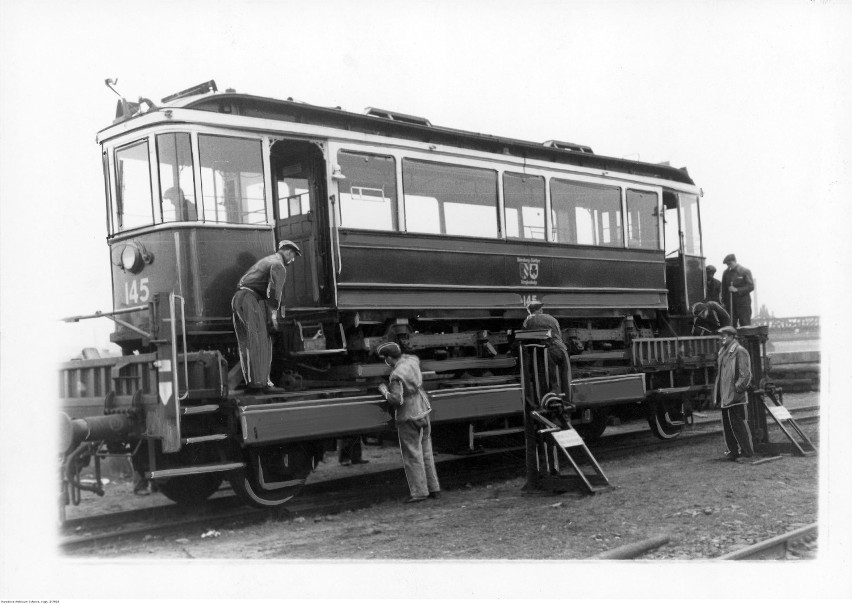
<point x="136" y="291"/>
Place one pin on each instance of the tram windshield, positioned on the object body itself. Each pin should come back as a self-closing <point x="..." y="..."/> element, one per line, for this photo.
<point x="232" y="182"/>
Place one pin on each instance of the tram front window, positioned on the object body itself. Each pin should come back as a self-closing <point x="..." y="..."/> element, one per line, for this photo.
<point x="690" y="224"/>
<point x="133" y="176"/>
<point x="177" y="188"/>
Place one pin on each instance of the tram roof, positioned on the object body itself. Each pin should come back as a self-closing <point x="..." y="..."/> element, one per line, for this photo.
<point x="247" y="105"/>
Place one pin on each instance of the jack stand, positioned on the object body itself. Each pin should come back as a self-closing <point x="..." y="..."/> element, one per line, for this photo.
<point x="547" y="431"/>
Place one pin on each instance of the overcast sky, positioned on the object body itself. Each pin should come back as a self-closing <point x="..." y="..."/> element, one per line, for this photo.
<point x="752" y="97"/>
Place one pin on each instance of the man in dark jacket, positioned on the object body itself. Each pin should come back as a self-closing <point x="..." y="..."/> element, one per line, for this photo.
<point x="733" y="377"/>
<point x="714" y="286"/>
<point x="737" y="285"/>
<point x="256" y="304"/>
<point x="709" y="318"/>
<point x="558" y="352"/>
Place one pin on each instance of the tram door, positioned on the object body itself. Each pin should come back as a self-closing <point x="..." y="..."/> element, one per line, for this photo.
<point x="298" y="170"/>
<point x="685" y="278"/>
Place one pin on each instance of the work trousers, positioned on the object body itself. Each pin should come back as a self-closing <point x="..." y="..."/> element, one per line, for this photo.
<point x="737" y="434"/>
<point x="253" y="339"/>
<point x="415" y="444"/>
<point x="560" y="365"/>
<point x="741" y="316"/>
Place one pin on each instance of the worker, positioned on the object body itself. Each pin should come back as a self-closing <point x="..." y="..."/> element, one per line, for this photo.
<point x="411" y="413"/>
<point x="558" y="352"/>
<point x="733" y="377"/>
<point x="737" y="285"/>
<point x="258" y="303"/>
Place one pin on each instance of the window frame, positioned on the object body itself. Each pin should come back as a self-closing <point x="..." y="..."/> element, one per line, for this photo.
<point x="490" y="168"/>
<point x="119" y="200"/>
<point x="660" y="216"/>
<point x="593" y="183"/>
<point x="198" y="173"/>
<point x="396" y="210"/>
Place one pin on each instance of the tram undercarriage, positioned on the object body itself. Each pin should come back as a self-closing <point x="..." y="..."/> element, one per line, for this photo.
<point x="190" y="427"/>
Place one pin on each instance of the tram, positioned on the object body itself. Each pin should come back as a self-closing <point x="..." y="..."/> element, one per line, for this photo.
<point x="431" y="237"/>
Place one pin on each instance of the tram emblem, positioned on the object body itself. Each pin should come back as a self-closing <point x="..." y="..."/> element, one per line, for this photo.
<point x="529" y="270"/>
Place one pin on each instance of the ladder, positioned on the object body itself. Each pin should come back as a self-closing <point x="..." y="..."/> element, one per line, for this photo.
<point x="554" y="441"/>
<point x="788" y="425"/>
<point x="546" y="441"/>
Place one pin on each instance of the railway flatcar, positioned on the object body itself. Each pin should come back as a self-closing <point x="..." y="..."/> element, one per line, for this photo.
<point x="431" y="237"/>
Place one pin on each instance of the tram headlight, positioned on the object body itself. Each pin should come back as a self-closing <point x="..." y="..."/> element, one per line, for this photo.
<point x="131" y="259"/>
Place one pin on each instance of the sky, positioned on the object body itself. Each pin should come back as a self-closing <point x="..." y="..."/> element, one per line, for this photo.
<point x="754" y="98"/>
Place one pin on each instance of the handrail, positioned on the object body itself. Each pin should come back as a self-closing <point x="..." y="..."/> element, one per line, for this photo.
<point x="175" y="384"/>
<point x="336" y="226"/>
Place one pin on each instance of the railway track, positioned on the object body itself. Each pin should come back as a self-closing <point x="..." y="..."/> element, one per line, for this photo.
<point x="795" y="544"/>
<point x="331" y="497"/>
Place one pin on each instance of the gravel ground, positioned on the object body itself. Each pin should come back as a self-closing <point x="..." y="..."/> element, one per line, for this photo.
<point x="705" y="506"/>
<point x="493" y="542"/>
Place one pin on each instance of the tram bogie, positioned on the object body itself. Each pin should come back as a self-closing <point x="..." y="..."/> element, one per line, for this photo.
<point x="430" y="237"/>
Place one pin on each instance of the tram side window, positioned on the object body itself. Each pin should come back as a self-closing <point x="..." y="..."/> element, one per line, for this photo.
<point x="133" y="179"/>
<point x="449" y="200"/>
<point x="586" y="214"/>
<point x="231" y="180"/>
<point x="690" y="224"/>
<point x="523" y="199"/>
<point x="368" y="194"/>
<point x="177" y="185"/>
<point x="643" y="220"/>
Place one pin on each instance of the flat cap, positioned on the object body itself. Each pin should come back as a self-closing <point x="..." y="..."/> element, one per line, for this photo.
<point x="389" y="349"/>
<point x="710" y="269"/>
<point x="728" y="329"/>
<point x="698" y="308"/>
<point x="535" y="305"/>
<point x="729" y="258"/>
<point x="289" y="244"/>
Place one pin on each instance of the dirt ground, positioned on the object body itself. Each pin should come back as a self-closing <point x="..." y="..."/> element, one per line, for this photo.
<point x="707" y="507"/>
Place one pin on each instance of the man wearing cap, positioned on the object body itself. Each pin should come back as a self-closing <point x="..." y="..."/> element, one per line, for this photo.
<point x="709" y="318"/>
<point x="714" y="286"/>
<point x="256" y="304"/>
<point x="737" y="285"/>
<point x="733" y="377"/>
<point x="538" y="319"/>
<point x="411" y="412"/>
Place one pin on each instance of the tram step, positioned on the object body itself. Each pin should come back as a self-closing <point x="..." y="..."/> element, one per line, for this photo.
<point x="199" y="409"/>
<point x="191" y="470"/>
<point x="192" y="440"/>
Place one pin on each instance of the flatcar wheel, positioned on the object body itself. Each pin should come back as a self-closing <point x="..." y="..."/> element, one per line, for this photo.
<point x="190" y="490"/>
<point x="660" y="419"/>
<point x="273" y="475"/>
<point x="595" y="428"/>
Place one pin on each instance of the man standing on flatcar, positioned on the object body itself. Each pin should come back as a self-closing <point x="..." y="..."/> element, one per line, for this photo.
<point x="411" y="413"/>
<point x="737" y="285"/>
<point x="733" y="377"/>
<point x="538" y="319"/>
<point x="256" y="304"/>
<point x="714" y="286"/>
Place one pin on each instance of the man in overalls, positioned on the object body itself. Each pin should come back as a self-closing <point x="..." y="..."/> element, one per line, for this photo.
<point x="255" y="305"/>
<point x="411" y="411"/>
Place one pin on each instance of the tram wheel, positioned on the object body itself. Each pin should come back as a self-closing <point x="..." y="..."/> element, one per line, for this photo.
<point x="660" y="418"/>
<point x="190" y="490"/>
<point x="273" y="475"/>
<point x="595" y="428"/>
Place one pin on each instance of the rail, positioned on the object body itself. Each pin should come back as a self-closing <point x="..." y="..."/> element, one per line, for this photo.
<point x="775" y="548"/>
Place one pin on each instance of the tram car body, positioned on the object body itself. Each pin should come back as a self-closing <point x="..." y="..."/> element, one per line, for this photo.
<point x="431" y="237"/>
